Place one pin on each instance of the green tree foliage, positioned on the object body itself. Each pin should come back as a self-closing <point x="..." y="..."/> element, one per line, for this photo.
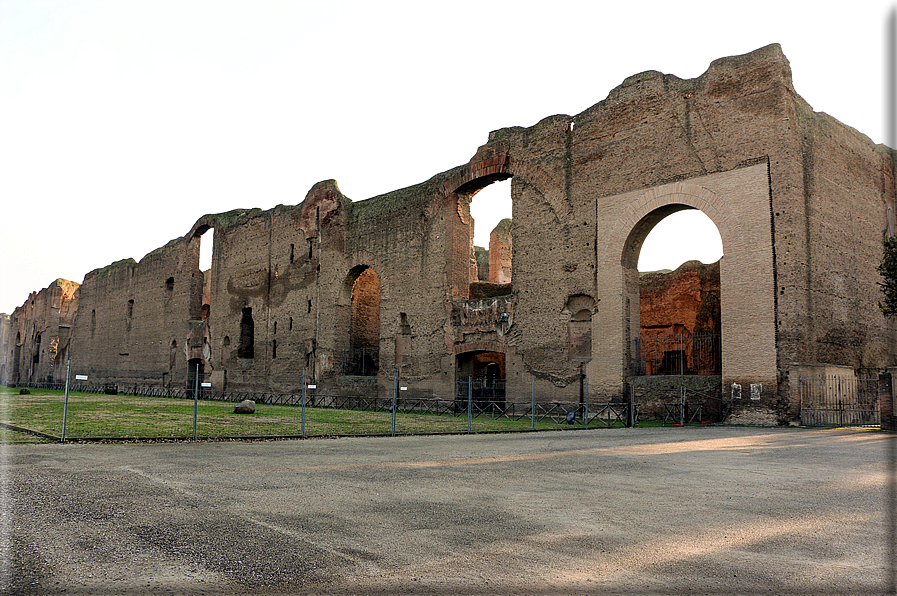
<point x="888" y="271"/>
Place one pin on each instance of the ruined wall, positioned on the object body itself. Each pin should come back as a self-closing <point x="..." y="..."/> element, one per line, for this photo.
<point x="800" y="202"/>
<point x="36" y="339"/>
<point x="132" y="320"/>
<point x="6" y="344"/>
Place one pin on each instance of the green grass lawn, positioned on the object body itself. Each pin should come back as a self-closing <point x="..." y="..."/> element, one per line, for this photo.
<point x="124" y="416"/>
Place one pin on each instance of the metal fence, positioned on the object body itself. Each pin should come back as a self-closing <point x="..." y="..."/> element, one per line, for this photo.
<point x="839" y="400"/>
<point x="201" y="411"/>
<point x="362" y="362"/>
<point x="679" y="354"/>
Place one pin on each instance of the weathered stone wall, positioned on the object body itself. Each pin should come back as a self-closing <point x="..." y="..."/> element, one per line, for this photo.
<point x="5" y="347"/>
<point x="132" y="320"/>
<point x="36" y="338"/>
<point x="800" y="202"/>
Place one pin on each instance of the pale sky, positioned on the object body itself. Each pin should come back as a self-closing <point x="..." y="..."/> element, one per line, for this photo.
<point x="123" y="122"/>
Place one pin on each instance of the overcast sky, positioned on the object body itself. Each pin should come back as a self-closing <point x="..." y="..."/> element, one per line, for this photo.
<point x="122" y="122"/>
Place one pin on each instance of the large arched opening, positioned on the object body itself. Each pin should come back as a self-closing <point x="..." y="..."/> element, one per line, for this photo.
<point x="491" y="223"/>
<point x="679" y="298"/>
<point x="362" y="358"/>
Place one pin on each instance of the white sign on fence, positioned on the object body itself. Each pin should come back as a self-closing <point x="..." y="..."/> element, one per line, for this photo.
<point x="80" y="377"/>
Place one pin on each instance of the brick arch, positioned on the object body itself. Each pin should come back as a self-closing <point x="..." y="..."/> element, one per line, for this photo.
<point x="480" y="346"/>
<point x="359" y="259"/>
<point x="494" y="163"/>
<point x="639" y="218"/>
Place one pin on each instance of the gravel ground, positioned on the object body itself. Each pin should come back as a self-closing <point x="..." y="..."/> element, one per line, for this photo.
<point x="711" y="510"/>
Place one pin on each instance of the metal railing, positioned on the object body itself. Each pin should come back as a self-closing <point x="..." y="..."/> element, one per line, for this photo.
<point x="679" y="354"/>
<point x="490" y="407"/>
<point x="362" y="362"/>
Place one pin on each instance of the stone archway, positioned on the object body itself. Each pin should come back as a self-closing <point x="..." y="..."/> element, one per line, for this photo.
<point x="737" y="202"/>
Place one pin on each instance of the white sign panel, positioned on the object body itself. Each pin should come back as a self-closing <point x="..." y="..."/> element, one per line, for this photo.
<point x="80" y="377"/>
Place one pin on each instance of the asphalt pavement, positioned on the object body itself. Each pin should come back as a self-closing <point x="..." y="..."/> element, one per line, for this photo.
<point x="709" y="510"/>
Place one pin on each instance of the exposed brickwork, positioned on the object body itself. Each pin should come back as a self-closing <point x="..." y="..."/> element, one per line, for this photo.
<point x="799" y="199"/>
<point x="501" y="247"/>
<point x="682" y="301"/>
<point x="36" y="338"/>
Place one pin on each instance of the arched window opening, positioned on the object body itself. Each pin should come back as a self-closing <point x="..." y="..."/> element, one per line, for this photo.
<point x="363" y="356"/>
<point x="246" y="349"/>
<point x="678" y="295"/>
<point x="491" y="243"/>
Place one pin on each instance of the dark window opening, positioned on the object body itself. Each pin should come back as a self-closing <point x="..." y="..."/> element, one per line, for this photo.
<point x="273" y="349"/>
<point x="292" y="252"/>
<point x="246" y="348"/>
<point x="169" y="285"/>
<point x="130" y="308"/>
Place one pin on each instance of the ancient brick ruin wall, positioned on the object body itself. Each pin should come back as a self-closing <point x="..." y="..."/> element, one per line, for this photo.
<point x="800" y="202"/>
<point x="6" y="356"/>
<point x="132" y="321"/>
<point x="36" y="341"/>
<point x="828" y="253"/>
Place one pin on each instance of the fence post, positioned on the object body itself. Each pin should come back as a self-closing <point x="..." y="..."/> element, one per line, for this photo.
<point x="65" y="407"/>
<point x="682" y="406"/>
<point x="195" y="399"/>
<point x="469" y="399"/>
<point x="631" y="418"/>
<point x="586" y="387"/>
<point x="395" y="397"/>
<point x="533" y="406"/>
<point x="304" y="386"/>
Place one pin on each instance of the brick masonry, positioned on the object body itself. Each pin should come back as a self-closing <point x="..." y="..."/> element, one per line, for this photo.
<point x="799" y="199"/>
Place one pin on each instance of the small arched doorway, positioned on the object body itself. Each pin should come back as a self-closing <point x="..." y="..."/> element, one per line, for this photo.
<point x="480" y="376"/>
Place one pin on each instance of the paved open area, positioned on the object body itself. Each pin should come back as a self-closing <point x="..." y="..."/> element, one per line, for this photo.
<point x="711" y="510"/>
